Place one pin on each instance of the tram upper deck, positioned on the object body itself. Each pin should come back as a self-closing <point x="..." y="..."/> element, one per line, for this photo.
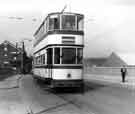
<point x="60" y="23"/>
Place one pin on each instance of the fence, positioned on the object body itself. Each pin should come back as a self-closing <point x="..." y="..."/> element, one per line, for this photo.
<point x="115" y="71"/>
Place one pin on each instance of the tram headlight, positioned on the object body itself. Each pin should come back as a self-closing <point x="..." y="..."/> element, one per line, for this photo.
<point x="68" y="75"/>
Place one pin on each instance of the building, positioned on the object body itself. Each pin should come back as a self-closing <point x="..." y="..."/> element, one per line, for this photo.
<point x="10" y="55"/>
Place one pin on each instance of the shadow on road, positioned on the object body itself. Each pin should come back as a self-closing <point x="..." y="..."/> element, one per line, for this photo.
<point x="59" y="90"/>
<point x="88" y="86"/>
<point x="93" y="86"/>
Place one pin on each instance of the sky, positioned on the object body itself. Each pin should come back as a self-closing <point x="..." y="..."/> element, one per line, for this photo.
<point x="109" y="24"/>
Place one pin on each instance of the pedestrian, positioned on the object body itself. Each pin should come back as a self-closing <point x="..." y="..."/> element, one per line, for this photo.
<point x="123" y="73"/>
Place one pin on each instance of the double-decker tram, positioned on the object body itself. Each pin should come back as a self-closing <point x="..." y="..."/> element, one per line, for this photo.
<point x="58" y="50"/>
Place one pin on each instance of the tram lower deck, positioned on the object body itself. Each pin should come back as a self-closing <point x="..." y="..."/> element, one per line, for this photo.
<point x="60" y="77"/>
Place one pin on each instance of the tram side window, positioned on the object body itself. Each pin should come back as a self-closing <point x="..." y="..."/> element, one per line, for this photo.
<point x="43" y="58"/>
<point x="68" y="22"/>
<point x="79" y="23"/>
<point x="54" y="23"/>
<point x="49" y="55"/>
<point x="47" y="24"/>
<point x="68" y="55"/>
<point x="36" y="61"/>
<point x="57" y="56"/>
<point x="79" y="55"/>
<point x="40" y="60"/>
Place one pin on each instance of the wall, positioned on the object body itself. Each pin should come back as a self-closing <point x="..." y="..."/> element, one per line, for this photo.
<point x="115" y="71"/>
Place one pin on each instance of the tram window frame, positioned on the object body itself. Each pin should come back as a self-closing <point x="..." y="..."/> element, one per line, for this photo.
<point x="47" y="24"/>
<point x="79" y="55"/>
<point x="80" y="23"/>
<point x="67" y="23"/>
<point x="43" y="59"/>
<point x="66" y="59"/>
<point x="39" y="60"/>
<point x="55" y="24"/>
<point x="58" y="57"/>
<point x="35" y="61"/>
<point x="50" y="56"/>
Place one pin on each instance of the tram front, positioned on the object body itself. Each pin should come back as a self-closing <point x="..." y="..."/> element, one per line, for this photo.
<point x="67" y="49"/>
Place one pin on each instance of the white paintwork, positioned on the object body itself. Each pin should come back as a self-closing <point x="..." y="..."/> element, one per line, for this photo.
<point x="57" y="39"/>
<point x="60" y="74"/>
<point x="42" y="72"/>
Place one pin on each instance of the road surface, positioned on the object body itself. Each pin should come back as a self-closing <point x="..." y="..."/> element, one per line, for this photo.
<point x="99" y="98"/>
<point x="37" y="98"/>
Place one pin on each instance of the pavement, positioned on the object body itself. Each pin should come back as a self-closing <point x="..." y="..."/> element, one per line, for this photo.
<point x="11" y="82"/>
<point x="129" y="81"/>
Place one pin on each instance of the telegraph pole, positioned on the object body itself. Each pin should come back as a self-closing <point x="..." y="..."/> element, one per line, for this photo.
<point x="23" y="56"/>
<point x="22" y="63"/>
<point x="16" y="57"/>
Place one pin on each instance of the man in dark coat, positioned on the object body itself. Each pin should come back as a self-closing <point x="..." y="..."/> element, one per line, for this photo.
<point x="123" y="73"/>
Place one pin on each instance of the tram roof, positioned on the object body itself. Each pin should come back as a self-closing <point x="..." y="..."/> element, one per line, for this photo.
<point x="55" y="13"/>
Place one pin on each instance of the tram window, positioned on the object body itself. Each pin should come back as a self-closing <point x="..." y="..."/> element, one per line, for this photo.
<point x="34" y="60"/>
<point x="68" y="55"/>
<point x="47" y="24"/>
<point x="68" y="22"/>
<point x="57" y="56"/>
<point x="38" y="60"/>
<point x="53" y="23"/>
<point x="79" y="55"/>
<point x="79" y="23"/>
<point x="49" y="56"/>
<point x="43" y="58"/>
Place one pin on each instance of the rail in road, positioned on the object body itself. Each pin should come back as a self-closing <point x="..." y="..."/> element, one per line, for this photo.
<point x="99" y="98"/>
<point x="83" y="109"/>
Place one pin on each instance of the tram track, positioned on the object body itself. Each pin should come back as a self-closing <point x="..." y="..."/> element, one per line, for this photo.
<point x="72" y="101"/>
<point x="67" y="102"/>
<point x="78" y="104"/>
<point x="67" y="99"/>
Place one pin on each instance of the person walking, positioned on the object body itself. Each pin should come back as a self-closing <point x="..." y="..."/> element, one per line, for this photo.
<point x="123" y="73"/>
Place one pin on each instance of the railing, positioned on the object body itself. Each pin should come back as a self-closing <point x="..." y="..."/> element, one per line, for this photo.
<point x="109" y="70"/>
